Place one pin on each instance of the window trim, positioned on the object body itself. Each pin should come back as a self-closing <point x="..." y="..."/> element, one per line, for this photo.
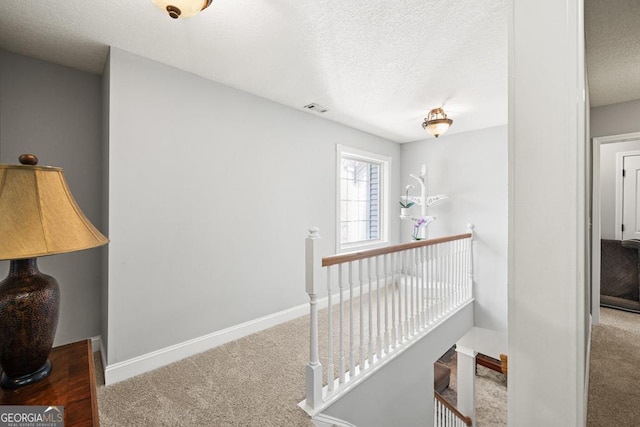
<point x="385" y="174"/>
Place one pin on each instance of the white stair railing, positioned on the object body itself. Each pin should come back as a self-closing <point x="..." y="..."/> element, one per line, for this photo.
<point x="379" y="303"/>
<point x="445" y="415"/>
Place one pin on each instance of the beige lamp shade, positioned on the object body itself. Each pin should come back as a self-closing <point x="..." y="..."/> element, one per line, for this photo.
<point x="39" y="216"/>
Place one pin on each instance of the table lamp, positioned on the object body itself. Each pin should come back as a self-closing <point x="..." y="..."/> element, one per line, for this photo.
<point x="38" y="217"/>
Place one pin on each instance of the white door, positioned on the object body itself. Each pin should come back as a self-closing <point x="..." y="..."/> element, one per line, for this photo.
<point x="631" y="198"/>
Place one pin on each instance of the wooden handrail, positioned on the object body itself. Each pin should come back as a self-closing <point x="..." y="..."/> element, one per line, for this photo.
<point x="465" y="419"/>
<point x="355" y="256"/>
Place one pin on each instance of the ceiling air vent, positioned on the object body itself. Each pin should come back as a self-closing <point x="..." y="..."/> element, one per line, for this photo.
<point x="315" y="107"/>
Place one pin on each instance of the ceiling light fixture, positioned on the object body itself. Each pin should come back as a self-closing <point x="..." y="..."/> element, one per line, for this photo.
<point x="436" y="122"/>
<point x="182" y="8"/>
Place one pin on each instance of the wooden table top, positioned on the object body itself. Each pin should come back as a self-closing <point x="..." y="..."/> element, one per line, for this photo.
<point x="71" y="384"/>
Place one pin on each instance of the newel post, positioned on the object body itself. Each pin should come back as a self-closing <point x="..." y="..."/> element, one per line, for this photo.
<point x="313" y="270"/>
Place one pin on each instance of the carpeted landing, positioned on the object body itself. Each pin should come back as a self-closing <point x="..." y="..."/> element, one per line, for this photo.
<point x="255" y="381"/>
<point x="259" y="380"/>
<point x="614" y="378"/>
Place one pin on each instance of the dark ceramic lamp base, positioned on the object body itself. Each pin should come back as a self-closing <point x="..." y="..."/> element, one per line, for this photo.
<point x="29" y="302"/>
<point x="17" y="382"/>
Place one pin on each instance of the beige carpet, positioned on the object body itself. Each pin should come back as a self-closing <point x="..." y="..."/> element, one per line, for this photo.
<point x="258" y="381"/>
<point x="254" y="381"/>
<point x="614" y="379"/>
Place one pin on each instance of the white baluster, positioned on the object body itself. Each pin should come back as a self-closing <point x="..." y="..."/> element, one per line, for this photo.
<point x="449" y="276"/>
<point x="456" y="272"/>
<point x="352" y="362"/>
<point x="330" y="368"/>
<point x="405" y="322"/>
<point x="341" y="367"/>
<point x="452" y="274"/>
<point x="421" y="265"/>
<point x="436" y="275"/>
<point x="414" y="286"/>
<point x="313" y="268"/>
<point x="470" y="229"/>
<point x="370" y="353"/>
<point x="362" y="346"/>
<point x="461" y="271"/>
<point x="430" y="284"/>
<point x="446" y="280"/>
<point x="461" y="278"/>
<point x="395" y="289"/>
<point x="386" y="259"/>
<point x="411" y="276"/>
<point x="420" y="281"/>
<point x="378" y="308"/>
<point x="443" y="278"/>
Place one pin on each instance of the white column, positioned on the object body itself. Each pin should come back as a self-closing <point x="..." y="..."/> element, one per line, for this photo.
<point x="548" y="310"/>
<point x="466" y="382"/>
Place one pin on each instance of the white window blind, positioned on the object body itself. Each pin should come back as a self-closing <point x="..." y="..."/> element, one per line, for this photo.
<point x="361" y="200"/>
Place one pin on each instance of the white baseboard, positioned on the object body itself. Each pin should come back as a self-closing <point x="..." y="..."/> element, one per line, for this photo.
<point x="120" y="371"/>
<point x="96" y="343"/>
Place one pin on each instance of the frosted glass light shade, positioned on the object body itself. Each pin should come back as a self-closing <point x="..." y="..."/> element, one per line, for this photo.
<point x="438" y="127"/>
<point x="39" y="214"/>
<point x="182" y="8"/>
<point x="436" y="122"/>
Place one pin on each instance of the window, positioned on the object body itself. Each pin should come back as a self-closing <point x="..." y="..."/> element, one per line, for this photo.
<point x="362" y="208"/>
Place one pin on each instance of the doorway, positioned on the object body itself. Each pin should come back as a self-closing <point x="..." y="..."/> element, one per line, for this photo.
<point x="606" y="188"/>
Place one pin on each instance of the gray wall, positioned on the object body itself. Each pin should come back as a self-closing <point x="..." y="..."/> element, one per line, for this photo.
<point x="211" y="193"/>
<point x="470" y="167"/>
<point x="615" y="119"/>
<point x="55" y="113"/>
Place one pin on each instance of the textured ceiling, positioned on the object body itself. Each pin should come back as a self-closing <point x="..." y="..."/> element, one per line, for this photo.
<point x="376" y="65"/>
<point x="613" y="50"/>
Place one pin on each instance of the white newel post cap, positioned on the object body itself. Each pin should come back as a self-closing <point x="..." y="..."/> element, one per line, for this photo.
<point x="313" y="260"/>
<point x="314" y="233"/>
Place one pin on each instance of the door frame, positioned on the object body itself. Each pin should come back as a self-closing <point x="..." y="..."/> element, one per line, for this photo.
<point x="595" y="216"/>
<point x="619" y="207"/>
